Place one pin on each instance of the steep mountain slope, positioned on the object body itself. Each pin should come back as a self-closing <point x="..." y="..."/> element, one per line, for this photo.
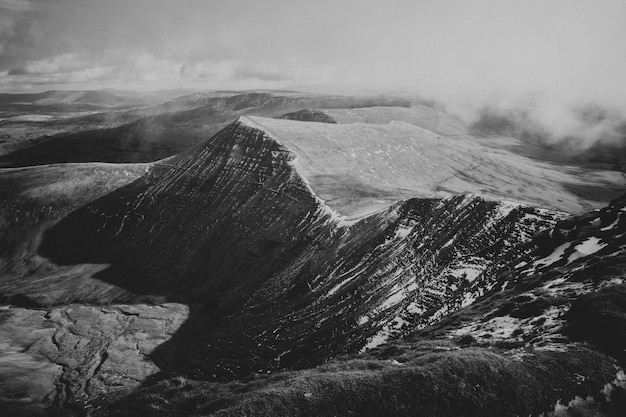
<point x="548" y="339"/>
<point x="518" y="350"/>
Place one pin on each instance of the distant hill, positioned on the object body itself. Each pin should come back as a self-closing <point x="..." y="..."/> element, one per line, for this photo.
<point x="100" y="98"/>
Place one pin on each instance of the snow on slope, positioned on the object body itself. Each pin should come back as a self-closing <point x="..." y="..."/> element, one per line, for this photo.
<point x="575" y="258"/>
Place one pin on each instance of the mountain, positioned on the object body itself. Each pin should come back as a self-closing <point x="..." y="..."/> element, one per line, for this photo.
<point x="547" y="338"/>
<point x="100" y="98"/>
<point x="347" y="261"/>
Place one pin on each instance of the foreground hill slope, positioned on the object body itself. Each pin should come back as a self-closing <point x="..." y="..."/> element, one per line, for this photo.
<point x="548" y="339"/>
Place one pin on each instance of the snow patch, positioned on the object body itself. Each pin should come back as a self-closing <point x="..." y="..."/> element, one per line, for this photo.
<point x="413" y="308"/>
<point x="393" y="299"/>
<point x="618" y="383"/>
<point x="403" y="231"/>
<point x="468" y="273"/>
<point x="376" y="340"/>
<point x="555" y="256"/>
<point x="384" y="334"/>
<point x="588" y="247"/>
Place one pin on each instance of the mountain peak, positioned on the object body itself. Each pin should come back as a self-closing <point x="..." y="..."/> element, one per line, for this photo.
<point x="359" y="168"/>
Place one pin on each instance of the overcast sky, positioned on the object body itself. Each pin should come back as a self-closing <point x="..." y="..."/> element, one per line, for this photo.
<point x="566" y="48"/>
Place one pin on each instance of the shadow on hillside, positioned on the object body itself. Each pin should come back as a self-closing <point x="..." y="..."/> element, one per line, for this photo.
<point x="142" y="141"/>
<point x="205" y="346"/>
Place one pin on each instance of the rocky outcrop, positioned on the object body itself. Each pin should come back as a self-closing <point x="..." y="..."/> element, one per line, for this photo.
<point x="54" y="361"/>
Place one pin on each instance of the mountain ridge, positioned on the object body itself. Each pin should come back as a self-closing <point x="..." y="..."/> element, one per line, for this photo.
<point x="262" y="274"/>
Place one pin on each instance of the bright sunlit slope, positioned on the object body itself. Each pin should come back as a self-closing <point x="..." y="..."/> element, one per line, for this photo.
<point x="359" y="167"/>
<point x="427" y="115"/>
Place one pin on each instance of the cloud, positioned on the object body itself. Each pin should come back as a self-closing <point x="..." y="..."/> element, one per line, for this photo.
<point x="17" y="33"/>
<point x="17" y="5"/>
<point x="449" y="48"/>
<point x="260" y="72"/>
<point x="583" y="129"/>
<point x="56" y="64"/>
<point x="66" y="69"/>
<point x="87" y="75"/>
<point x="232" y="70"/>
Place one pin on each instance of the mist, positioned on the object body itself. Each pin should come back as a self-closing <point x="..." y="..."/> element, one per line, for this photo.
<point x="584" y="130"/>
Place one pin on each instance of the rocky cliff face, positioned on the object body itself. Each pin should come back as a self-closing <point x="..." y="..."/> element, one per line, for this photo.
<point x="546" y="338"/>
<point x="542" y="340"/>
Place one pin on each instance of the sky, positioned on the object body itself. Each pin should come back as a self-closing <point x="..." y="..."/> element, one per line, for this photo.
<point x="564" y="49"/>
